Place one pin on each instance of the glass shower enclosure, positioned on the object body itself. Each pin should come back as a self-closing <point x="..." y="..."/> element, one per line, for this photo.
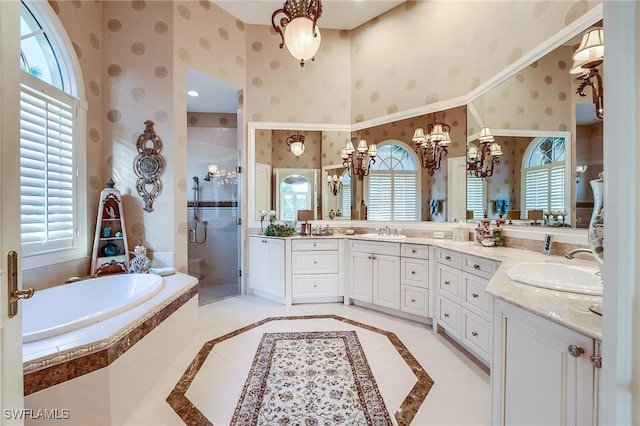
<point x="213" y="210"/>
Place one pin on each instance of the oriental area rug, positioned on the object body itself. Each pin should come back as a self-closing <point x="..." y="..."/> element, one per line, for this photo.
<point x="310" y="378"/>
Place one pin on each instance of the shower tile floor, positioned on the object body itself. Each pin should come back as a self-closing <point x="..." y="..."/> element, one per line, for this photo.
<point x="459" y="396"/>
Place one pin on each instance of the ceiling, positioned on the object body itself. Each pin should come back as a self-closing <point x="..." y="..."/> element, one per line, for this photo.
<point x="336" y="14"/>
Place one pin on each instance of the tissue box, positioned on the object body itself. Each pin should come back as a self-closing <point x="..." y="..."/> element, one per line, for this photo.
<point x="460" y="234"/>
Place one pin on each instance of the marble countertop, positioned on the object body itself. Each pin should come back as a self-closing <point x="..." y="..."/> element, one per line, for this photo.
<point x="570" y="310"/>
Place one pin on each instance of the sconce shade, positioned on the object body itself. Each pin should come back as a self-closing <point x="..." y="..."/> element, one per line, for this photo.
<point x="349" y="148"/>
<point x="297" y="148"/>
<point x="362" y="145"/>
<point x="302" y="39"/>
<point x="373" y="150"/>
<point x="578" y="68"/>
<point x="472" y="151"/>
<point x="295" y="143"/>
<point x="592" y="46"/>
<point x="418" y="136"/>
<point x="213" y="168"/>
<point x="485" y="135"/>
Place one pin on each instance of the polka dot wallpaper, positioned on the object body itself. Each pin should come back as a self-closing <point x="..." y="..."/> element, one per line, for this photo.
<point x="332" y="144"/>
<point x="282" y="158"/>
<point x="395" y="70"/>
<point x="206" y="119"/>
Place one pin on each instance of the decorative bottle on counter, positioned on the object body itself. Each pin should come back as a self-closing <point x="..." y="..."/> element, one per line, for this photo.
<point x="140" y="264"/>
<point x="596" y="224"/>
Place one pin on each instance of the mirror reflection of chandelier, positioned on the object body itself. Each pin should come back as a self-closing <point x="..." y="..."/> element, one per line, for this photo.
<point x="482" y="159"/>
<point x="295" y="143"/>
<point x="358" y="161"/>
<point x="335" y="184"/>
<point x="586" y="59"/>
<point x="221" y="176"/>
<point x="432" y="146"/>
<point x="298" y="28"/>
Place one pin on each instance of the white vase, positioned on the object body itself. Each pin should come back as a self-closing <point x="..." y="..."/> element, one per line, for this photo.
<point x="596" y="224"/>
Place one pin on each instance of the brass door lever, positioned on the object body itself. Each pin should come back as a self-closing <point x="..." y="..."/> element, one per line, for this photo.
<point x="14" y="293"/>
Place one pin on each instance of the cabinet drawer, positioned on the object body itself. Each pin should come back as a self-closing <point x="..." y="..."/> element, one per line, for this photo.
<point x="478" y="266"/>
<point x="416" y="251"/>
<point x="314" y="262"/>
<point x="449" y="316"/>
<point x="448" y="257"/>
<point x="314" y="244"/>
<point x="414" y="272"/>
<point x="322" y="285"/>
<point x="474" y="296"/>
<point x="449" y="282"/>
<point x="414" y="300"/>
<point x="390" y="249"/>
<point x="477" y="333"/>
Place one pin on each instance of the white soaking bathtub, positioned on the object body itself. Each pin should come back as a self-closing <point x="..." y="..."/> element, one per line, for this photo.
<point x="69" y="307"/>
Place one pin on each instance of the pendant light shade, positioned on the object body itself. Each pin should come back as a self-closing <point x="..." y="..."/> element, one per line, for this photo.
<point x="302" y="39"/>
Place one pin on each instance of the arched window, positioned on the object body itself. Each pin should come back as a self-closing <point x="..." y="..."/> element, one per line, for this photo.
<point x="296" y="193"/>
<point x="543" y="175"/>
<point x="53" y="211"/>
<point x="345" y="194"/>
<point x="393" y="191"/>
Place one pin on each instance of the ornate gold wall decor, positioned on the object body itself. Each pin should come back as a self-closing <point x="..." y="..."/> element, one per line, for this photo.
<point x="149" y="165"/>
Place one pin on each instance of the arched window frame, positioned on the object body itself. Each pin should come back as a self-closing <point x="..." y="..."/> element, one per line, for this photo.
<point x="555" y="175"/>
<point x="74" y="95"/>
<point x="372" y="214"/>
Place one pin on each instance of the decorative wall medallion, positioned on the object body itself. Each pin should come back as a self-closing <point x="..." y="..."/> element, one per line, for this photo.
<point x="149" y="165"/>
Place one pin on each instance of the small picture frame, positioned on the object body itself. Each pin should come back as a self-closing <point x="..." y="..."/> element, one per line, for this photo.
<point x="106" y="232"/>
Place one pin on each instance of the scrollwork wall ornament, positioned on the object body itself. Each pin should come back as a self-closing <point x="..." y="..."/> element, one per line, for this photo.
<point x="149" y="165"/>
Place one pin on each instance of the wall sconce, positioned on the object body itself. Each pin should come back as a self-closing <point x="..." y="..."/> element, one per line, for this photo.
<point x="212" y="172"/>
<point x="355" y="160"/>
<point x="433" y="146"/>
<point x="482" y="160"/>
<point x="298" y="28"/>
<point x="589" y="55"/>
<point x="295" y="143"/>
<point x="335" y="184"/>
<point x="580" y="170"/>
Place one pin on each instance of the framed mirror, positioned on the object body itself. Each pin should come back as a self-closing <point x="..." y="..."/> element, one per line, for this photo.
<point x="337" y="196"/>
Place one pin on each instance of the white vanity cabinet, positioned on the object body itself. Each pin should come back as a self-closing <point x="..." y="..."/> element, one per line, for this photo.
<point x="267" y="267"/>
<point x="374" y="273"/>
<point x="542" y="372"/>
<point x="414" y="279"/>
<point x="315" y="270"/>
<point x="463" y="308"/>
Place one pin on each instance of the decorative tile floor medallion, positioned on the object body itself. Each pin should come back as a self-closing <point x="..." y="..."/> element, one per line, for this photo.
<point x="310" y="378"/>
<point x="191" y="415"/>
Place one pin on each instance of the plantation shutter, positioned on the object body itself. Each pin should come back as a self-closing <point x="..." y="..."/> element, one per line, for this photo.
<point x="557" y="188"/>
<point x="537" y="189"/>
<point x="345" y="200"/>
<point x="48" y="219"/>
<point x="379" y="207"/>
<point x="475" y="196"/>
<point x="404" y="196"/>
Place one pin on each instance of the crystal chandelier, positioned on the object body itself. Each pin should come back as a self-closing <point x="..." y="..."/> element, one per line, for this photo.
<point x="482" y="160"/>
<point x="295" y="143"/>
<point x="433" y="146"/>
<point x="358" y="161"/>
<point x="298" y="28"/>
<point x="586" y="59"/>
<point x="335" y="184"/>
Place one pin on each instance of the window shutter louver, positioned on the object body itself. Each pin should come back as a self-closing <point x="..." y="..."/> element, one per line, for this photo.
<point x="404" y="196"/>
<point x="47" y="171"/>
<point x="475" y="196"/>
<point x="379" y="207"/>
<point x="345" y="200"/>
<point x="557" y="188"/>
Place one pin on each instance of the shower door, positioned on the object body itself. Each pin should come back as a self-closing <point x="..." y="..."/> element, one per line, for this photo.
<point x="213" y="211"/>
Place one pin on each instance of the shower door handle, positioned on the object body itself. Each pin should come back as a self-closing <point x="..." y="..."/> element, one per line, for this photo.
<point x="14" y="293"/>
<point x="192" y="235"/>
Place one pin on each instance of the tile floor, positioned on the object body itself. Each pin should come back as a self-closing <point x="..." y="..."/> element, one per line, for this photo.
<point x="460" y="395"/>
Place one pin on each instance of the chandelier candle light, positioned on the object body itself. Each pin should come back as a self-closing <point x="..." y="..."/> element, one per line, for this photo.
<point x="355" y="160"/>
<point x="433" y="146"/>
<point x="298" y="28"/>
<point x="482" y="160"/>
<point x="335" y="184"/>
<point x="586" y="59"/>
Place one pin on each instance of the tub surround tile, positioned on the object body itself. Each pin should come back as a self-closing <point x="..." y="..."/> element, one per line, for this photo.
<point x="43" y="373"/>
<point x="191" y="415"/>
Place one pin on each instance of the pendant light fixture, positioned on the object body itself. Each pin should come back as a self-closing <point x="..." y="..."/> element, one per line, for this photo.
<point x="295" y="143"/>
<point x="298" y="28"/>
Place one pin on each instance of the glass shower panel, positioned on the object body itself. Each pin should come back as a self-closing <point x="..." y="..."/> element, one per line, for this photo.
<point x="213" y="209"/>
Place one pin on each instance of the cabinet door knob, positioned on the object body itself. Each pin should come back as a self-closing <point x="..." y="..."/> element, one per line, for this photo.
<point x="315" y="262"/>
<point x="475" y="295"/>
<point x="575" y="351"/>
<point x="447" y="257"/>
<point x="315" y="285"/>
<point x="476" y="266"/>
<point x="373" y="257"/>
<point x="447" y="283"/>
<point x="413" y="250"/>
<point x="314" y="244"/>
<point x="596" y="361"/>
<point x="413" y="300"/>
<point x="413" y="272"/>
<point x="369" y="257"/>
<point x="446" y="315"/>
<point x="474" y="334"/>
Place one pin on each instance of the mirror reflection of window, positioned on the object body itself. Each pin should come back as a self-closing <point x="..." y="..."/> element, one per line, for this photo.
<point x="392" y="191"/>
<point x="475" y="196"/>
<point x="543" y="175"/>
<point x="296" y="195"/>
<point x="345" y="194"/>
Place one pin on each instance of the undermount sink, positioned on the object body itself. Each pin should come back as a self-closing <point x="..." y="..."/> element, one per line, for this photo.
<point x="374" y="236"/>
<point x="558" y="276"/>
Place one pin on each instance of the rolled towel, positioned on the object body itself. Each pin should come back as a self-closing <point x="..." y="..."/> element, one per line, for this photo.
<point x="163" y="272"/>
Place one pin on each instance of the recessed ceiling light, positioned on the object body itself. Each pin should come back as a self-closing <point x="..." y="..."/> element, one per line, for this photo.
<point x="193" y="93"/>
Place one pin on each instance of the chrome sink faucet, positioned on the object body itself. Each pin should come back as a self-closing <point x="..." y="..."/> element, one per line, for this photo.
<point x="571" y="254"/>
